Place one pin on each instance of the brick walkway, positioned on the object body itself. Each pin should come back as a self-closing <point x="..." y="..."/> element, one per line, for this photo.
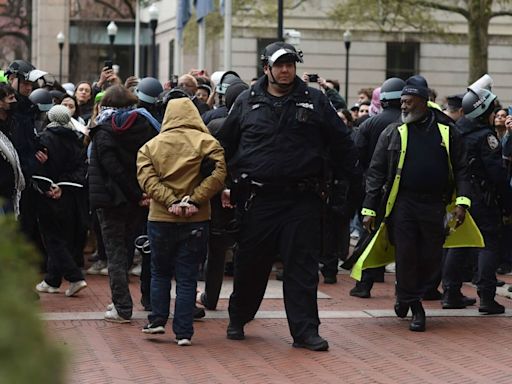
<point x="367" y="343"/>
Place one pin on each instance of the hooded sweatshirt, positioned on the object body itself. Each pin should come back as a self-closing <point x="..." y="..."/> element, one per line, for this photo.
<point x="169" y="165"/>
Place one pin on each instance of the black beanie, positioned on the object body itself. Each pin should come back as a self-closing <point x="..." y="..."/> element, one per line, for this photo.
<point x="233" y="91"/>
<point x="416" y="86"/>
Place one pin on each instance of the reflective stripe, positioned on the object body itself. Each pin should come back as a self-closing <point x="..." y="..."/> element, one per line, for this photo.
<point x="368" y="212"/>
<point x="463" y="200"/>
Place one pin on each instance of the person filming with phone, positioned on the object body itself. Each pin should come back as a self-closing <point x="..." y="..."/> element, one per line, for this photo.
<point x="331" y="88"/>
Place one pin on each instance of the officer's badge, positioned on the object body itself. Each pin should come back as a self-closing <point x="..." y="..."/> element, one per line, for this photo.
<point x="493" y="142"/>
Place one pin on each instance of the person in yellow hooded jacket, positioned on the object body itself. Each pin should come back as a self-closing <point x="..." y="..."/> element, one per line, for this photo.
<point x="169" y="171"/>
<point x="420" y="164"/>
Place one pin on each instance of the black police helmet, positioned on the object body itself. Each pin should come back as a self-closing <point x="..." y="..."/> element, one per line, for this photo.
<point x="280" y="51"/>
<point x="477" y="103"/>
<point x="165" y="97"/>
<point x="228" y="78"/>
<point x="391" y="89"/>
<point x="42" y="98"/>
<point x="20" y="68"/>
<point x="148" y="90"/>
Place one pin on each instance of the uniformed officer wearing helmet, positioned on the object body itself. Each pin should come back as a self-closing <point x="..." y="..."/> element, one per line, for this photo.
<point x="491" y="195"/>
<point x="276" y="139"/>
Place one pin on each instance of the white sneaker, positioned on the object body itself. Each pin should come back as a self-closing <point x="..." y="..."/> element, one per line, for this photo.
<point x="96" y="268"/>
<point x="183" y="342"/>
<point x="110" y="306"/>
<point x="104" y="271"/>
<point x="44" y="287"/>
<point x="391" y="268"/>
<point x="75" y="287"/>
<point x="137" y="270"/>
<point x="114" y="317"/>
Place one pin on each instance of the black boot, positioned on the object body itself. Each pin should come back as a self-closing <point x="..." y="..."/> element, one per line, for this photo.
<point x="235" y="331"/>
<point x="489" y="306"/>
<point x="401" y="309"/>
<point x="418" y="317"/>
<point x="361" y="290"/>
<point x="453" y="300"/>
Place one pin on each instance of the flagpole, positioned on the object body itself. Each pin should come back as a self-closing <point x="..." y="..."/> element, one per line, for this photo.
<point x="177" y="45"/>
<point x="137" y="39"/>
<point x="227" y="35"/>
<point x="201" y="54"/>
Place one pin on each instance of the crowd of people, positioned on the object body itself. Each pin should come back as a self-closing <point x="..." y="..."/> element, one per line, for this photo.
<point x="184" y="173"/>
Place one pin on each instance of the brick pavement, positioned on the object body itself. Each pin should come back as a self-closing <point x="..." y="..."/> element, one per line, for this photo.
<point x="367" y="344"/>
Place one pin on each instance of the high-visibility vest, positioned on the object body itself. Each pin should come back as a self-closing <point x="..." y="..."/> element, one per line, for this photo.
<point x="380" y="251"/>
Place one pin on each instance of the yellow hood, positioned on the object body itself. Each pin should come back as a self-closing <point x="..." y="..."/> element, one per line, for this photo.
<point x="182" y="113"/>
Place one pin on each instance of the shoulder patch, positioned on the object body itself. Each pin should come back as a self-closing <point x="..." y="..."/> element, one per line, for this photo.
<point x="492" y="141"/>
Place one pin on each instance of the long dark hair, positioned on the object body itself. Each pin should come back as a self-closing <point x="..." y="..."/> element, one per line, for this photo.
<point x="76" y="115"/>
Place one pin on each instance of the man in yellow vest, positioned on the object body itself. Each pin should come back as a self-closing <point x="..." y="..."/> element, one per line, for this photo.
<point x="419" y="165"/>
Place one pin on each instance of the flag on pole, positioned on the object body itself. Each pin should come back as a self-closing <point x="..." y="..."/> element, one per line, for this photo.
<point x="182" y="16"/>
<point x="203" y="8"/>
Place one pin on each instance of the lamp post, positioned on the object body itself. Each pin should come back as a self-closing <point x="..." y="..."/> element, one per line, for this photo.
<point x="280" y="20"/>
<point x="347" y="38"/>
<point x="60" y="40"/>
<point x="153" y="22"/>
<point x="112" y="32"/>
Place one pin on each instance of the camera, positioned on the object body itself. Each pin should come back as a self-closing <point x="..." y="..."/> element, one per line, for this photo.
<point x="312" y="77"/>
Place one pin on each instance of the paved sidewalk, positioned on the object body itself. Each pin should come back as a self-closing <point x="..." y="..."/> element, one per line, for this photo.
<point x="368" y="344"/>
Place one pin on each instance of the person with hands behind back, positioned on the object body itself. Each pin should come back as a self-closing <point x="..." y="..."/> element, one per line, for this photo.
<point x="169" y="171"/>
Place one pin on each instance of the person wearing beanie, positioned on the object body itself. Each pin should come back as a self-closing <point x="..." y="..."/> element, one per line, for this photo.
<point x="60" y="181"/>
<point x="492" y="196"/>
<point x="422" y="163"/>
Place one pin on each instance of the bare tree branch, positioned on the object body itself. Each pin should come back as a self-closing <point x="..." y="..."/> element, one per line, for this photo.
<point x="443" y="7"/>
<point x="111" y="7"/>
<point x="501" y="13"/>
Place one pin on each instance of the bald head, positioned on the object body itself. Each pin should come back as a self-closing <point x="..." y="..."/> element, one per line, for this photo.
<point x="188" y="83"/>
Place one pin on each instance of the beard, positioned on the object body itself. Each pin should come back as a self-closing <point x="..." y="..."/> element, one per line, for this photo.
<point x="411" y="117"/>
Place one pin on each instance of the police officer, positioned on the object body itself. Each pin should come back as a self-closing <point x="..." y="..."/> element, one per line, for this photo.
<point x="420" y="162"/>
<point x="147" y="92"/>
<point x="490" y="186"/>
<point x="276" y="138"/>
<point x="366" y="140"/>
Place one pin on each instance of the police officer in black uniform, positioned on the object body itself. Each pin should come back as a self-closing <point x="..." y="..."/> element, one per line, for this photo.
<point x="366" y="141"/>
<point x="276" y="139"/>
<point x="490" y="188"/>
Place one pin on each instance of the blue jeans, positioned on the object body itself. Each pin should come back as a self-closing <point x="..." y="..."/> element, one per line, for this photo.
<point x="176" y="249"/>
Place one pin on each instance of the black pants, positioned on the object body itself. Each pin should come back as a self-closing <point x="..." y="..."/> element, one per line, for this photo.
<point x="289" y="226"/>
<point x="336" y="242"/>
<point x="488" y="221"/>
<point x="214" y="270"/>
<point x="417" y="231"/>
<point x="59" y="229"/>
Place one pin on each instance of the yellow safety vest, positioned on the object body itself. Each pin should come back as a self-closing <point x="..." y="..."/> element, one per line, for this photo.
<point x="380" y="251"/>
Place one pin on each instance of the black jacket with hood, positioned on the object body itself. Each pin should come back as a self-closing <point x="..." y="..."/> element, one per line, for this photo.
<point x="112" y="168"/>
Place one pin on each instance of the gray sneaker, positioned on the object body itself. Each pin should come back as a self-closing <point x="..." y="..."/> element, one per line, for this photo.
<point x="75" y="287"/>
<point x="96" y="268"/>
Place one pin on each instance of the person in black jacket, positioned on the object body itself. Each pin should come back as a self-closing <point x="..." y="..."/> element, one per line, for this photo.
<point x="114" y="190"/>
<point x="58" y="201"/>
<point x="366" y="141"/>
<point x="492" y="195"/>
<point x="12" y="182"/>
<point x="221" y="218"/>
<point x="426" y="182"/>
<point x="277" y="137"/>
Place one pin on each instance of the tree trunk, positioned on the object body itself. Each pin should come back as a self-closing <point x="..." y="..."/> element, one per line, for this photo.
<point x="478" y="37"/>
